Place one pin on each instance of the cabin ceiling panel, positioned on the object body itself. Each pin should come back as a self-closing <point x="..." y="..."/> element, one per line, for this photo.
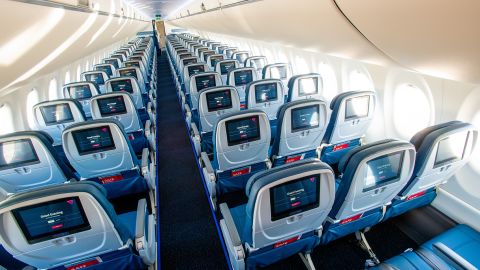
<point x="321" y="27"/>
<point x="39" y="39"/>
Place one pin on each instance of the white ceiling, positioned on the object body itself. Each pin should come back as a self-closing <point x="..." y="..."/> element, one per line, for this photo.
<point x="153" y="7"/>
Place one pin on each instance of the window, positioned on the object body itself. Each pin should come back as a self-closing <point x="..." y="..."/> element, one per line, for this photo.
<point x="475" y="158"/>
<point x="87" y="66"/>
<point x="7" y="119"/>
<point x="52" y="90"/>
<point x="412" y="110"/>
<point x="32" y="100"/>
<point x="67" y="77"/>
<point x="330" y="88"/>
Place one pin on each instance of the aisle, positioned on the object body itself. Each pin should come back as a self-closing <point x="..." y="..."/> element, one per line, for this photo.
<point x="188" y="236"/>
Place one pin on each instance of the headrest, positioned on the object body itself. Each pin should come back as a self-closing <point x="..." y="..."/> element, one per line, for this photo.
<point x="418" y="138"/>
<point x="225" y="66"/>
<point x="337" y="100"/>
<point x="253" y="60"/>
<point x="261" y="179"/>
<point x="204" y="80"/>
<point x="97" y="76"/>
<point x="94" y="90"/>
<point x="294" y="83"/>
<point x="267" y="74"/>
<point x="251" y="87"/>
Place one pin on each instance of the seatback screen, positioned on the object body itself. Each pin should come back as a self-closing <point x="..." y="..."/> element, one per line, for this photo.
<point x="294" y="197"/>
<point x="221" y="49"/>
<point x="129" y="72"/>
<point x="205" y="81"/>
<point x="57" y="114"/>
<point x="195" y="69"/>
<point x="279" y="72"/>
<point x="383" y="170"/>
<point x="357" y="107"/>
<point x="182" y="51"/>
<point x="95" y="77"/>
<point x="207" y="54"/>
<point x="451" y="149"/>
<point x="113" y="62"/>
<point x="214" y="60"/>
<point x="131" y="64"/>
<point x="51" y="219"/>
<point x="307" y="86"/>
<point x="265" y="92"/>
<point x="122" y="85"/>
<point x="111" y="106"/>
<point x="106" y="69"/>
<point x="80" y="92"/>
<point x="258" y="62"/>
<point x="243" y="77"/>
<point x="189" y="61"/>
<point x="117" y="56"/>
<point x="219" y="100"/>
<point x="93" y="140"/>
<point x="304" y="118"/>
<point x="184" y="55"/>
<point x="225" y="67"/>
<point x="17" y="153"/>
<point x="243" y="130"/>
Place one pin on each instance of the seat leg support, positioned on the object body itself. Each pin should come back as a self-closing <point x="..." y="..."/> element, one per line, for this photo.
<point x="366" y="246"/>
<point x="307" y="260"/>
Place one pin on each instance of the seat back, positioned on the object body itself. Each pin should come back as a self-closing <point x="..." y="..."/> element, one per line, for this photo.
<point x="241" y="139"/>
<point x="287" y="202"/>
<point x="240" y="78"/>
<point x="199" y="50"/>
<point x="371" y="176"/>
<point x="301" y="126"/>
<point x="213" y="59"/>
<point x="305" y="86"/>
<point x="60" y="224"/>
<point x="240" y="56"/>
<point x="53" y="116"/>
<point x="187" y="61"/>
<point x="82" y="92"/>
<point x="229" y="52"/>
<point x="107" y="68"/>
<point x="205" y="54"/>
<point x="192" y="69"/>
<point x="221" y="49"/>
<point x="98" y="148"/>
<point x="352" y="114"/>
<point x="224" y="67"/>
<point x="441" y="151"/>
<point x="28" y="161"/>
<point x="98" y="77"/>
<point x="137" y="64"/>
<point x="265" y="95"/>
<point x="119" y="106"/>
<point x="129" y="85"/>
<point x="113" y="61"/>
<point x="281" y="71"/>
<point x="134" y="72"/>
<point x="119" y="57"/>
<point x="257" y="62"/>
<point x="215" y="102"/>
<point x="201" y="81"/>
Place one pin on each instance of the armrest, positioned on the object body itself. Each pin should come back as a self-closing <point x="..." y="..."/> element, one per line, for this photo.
<point x="145" y="234"/>
<point x="194" y="133"/>
<point x="146" y="169"/>
<point x="207" y="166"/>
<point x="451" y="257"/>
<point x="234" y="245"/>
<point x="146" y="129"/>
<point x="188" y="112"/>
<point x="232" y="229"/>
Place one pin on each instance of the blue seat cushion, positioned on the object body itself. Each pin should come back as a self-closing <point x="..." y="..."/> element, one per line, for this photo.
<point x="462" y="239"/>
<point x="129" y="221"/>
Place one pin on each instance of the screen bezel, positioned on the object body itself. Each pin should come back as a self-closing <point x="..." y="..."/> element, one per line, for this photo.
<point x="111" y="113"/>
<point x="50" y="123"/>
<point x="263" y="84"/>
<point x="441" y="163"/>
<point x="293" y="130"/>
<point x="71" y="88"/>
<point x="291" y="212"/>
<point x="29" y="162"/>
<point x="237" y="142"/>
<point x="389" y="180"/>
<point x="101" y="149"/>
<point x="354" y="117"/>
<point x="207" y="95"/>
<point x="60" y="233"/>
